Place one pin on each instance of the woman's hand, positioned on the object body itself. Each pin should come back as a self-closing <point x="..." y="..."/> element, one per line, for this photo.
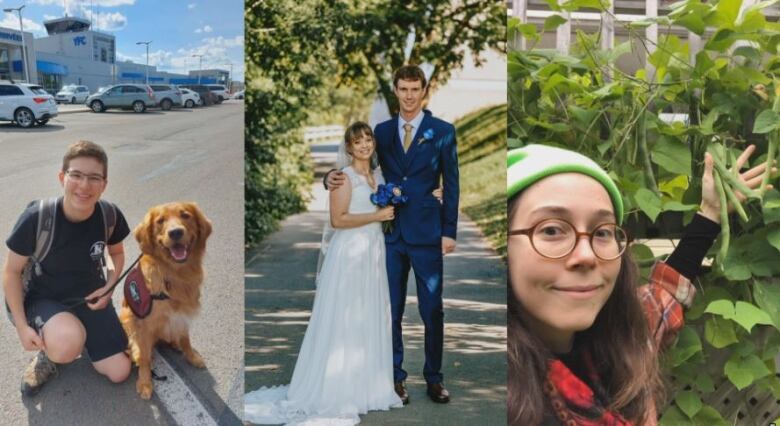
<point x="29" y="338"/>
<point x="385" y="213"/>
<point x="710" y="202"/>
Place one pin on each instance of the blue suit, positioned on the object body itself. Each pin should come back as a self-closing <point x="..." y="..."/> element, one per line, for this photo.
<point x="418" y="228"/>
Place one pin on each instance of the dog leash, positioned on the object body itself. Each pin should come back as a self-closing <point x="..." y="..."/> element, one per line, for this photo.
<point x="81" y="301"/>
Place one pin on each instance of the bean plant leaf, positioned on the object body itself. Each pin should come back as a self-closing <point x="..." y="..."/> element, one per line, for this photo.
<point x="689" y="403"/>
<point x="688" y="345"/>
<point x="672" y="155"/>
<point x="767" y="121"/>
<point x="767" y="296"/>
<point x="742" y="372"/>
<point x="743" y="313"/>
<point x="719" y="332"/>
<point x="709" y="416"/>
<point x="554" y="21"/>
<point x="648" y="202"/>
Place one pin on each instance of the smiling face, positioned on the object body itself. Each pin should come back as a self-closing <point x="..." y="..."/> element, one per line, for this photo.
<point x="83" y="183"/>
<point x="173" y="232"/>
<point x="410" y="95"/>
<point x="361" y="147"/>
<point x="561" y="296"/>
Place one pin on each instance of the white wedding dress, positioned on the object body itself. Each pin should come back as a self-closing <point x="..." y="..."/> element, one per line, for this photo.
<point x="345" y="366"/>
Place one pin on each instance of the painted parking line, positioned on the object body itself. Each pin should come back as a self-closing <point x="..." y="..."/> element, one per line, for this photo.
<point x="178" y="398"/>
<point x="183" y="401"/>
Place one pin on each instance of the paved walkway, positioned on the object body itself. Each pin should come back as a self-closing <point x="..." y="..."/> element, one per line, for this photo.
<point x="280" y="292"/>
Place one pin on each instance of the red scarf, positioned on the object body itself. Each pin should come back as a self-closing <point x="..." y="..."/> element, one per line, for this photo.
<point x="573" y="401"/>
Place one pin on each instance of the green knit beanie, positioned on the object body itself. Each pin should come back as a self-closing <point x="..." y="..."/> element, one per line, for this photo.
<point x="529" y="164"/>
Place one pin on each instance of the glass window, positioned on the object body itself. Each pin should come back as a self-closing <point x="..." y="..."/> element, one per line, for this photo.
<point x="9" y="90"/>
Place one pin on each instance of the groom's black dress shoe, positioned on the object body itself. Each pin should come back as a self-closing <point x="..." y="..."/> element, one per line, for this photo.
<point x="437" y="393"/>
<point x="400" y="390"/>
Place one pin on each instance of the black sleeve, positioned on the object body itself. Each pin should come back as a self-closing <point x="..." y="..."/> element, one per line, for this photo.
<point x="22" y="238"/>
<point x="696" y="241"/>
<point x="121" y="230"/>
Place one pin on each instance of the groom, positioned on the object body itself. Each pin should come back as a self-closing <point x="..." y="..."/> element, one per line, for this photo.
<point x="415" y="150"/>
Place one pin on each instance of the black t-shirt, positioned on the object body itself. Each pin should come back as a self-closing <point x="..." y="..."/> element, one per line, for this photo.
<point x="73" y="268"/>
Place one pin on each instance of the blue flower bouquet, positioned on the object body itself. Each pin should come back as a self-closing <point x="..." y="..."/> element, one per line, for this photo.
<point x="388" y="194"/>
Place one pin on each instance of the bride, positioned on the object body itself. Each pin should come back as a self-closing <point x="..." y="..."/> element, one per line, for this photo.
<point x="345" y="366"/>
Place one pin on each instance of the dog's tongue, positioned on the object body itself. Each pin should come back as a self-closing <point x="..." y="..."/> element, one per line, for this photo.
<point x="179" y="252"/>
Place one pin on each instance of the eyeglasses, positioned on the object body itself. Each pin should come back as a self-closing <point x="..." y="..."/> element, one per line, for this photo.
<point x="556" y="238"/>
<point x="79" y="177"/>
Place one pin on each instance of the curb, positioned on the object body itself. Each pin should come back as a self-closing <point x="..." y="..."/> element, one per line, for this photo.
<point x="73" y="111"/>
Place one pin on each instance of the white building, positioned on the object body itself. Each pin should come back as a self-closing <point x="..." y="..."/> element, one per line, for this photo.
<point x="72" y="53"/>
<point x="11" y="54"/>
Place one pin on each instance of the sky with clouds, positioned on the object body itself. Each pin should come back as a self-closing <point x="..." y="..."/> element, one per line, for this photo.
<point x="178" y="29"/>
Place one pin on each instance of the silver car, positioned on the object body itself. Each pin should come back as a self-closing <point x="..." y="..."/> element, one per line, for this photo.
<point x="72" y="94"/>
<point x="137" y="97"/>
<point x="167" y="96"/>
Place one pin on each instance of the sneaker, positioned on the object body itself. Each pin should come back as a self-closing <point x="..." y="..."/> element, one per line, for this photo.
<point x="37" y="373"/>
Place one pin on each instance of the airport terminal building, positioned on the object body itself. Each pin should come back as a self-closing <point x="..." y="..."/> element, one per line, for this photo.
<point x="72" y="53"/>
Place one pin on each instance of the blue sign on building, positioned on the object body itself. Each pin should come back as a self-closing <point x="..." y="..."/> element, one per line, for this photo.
<point x="80" y="41"/>
<point x="10" y="36"/>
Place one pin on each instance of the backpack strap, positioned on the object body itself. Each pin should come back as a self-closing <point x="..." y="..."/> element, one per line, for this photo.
<point x="44" y="232"/>
<point x="109" y="217"/>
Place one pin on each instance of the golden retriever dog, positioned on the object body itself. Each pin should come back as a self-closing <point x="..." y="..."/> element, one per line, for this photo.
<point x="172" y="238"/>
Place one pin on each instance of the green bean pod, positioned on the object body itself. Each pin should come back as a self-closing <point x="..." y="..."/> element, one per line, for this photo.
<point x="770" y="159"/>
<point x="733" y="163"/>
<point x="725" y="230"/>
<point x="730" y="179"/>
<point x="732" y="197"/>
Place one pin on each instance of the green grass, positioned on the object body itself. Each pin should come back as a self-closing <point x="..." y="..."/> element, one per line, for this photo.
<point x="482" y="154"/>
<point x="481" y="133"/>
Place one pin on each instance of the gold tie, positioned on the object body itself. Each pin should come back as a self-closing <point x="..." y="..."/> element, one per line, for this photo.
<point x="407" y="136"/>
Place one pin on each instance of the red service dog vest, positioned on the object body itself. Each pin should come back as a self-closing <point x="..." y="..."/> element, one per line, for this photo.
<point x="137" y="294"/>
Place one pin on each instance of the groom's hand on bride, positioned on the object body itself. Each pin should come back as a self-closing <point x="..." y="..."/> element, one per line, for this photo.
<point x="447" y="245"/>
<point x="334" y="179"/>
<point x="439" y="194"/>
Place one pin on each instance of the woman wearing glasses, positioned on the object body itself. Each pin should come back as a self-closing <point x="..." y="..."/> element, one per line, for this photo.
<point x="583" y="336"/>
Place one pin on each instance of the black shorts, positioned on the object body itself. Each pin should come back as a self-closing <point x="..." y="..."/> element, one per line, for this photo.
<point x="105" y="335"/>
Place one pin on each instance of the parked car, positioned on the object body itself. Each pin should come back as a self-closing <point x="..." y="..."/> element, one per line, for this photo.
<point x="238" y="95"/>
<point x="26" y="104"/>
<point x="207" y="97"/>
<point x="72" y="94"/>
<point x="190" y="98"/>
<point x="220" y="91"/>
<point x="167" y="96"/>
<point x="137" y="97"/>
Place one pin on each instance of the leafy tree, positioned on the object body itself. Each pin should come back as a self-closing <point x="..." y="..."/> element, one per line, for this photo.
<point x="372" y="38"/>
<point x="309" y="61"/>
<point x="732" y="97"/>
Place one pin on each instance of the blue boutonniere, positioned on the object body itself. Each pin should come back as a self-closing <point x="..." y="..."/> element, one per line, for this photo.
<point x="427" y="135"/>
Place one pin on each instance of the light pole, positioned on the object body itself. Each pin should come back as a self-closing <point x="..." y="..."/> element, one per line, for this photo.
<point x="147" y="43"/>
<point x="230" y="77"/>
<point x="21" y="29"/>
<point x="200" y="65"/>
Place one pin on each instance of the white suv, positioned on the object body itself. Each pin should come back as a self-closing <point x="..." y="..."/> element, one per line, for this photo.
<point x="72" y="94"/>
<point x="26" y="104"/>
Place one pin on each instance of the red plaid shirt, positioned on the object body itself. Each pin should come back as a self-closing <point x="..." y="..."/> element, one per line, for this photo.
<point x="663" y="300"/>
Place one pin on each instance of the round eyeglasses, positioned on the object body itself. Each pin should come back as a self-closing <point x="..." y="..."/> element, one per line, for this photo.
<point x="556" y="238"/>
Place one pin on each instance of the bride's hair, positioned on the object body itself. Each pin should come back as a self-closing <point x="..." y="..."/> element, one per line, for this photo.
<point x="357" y="130"/>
